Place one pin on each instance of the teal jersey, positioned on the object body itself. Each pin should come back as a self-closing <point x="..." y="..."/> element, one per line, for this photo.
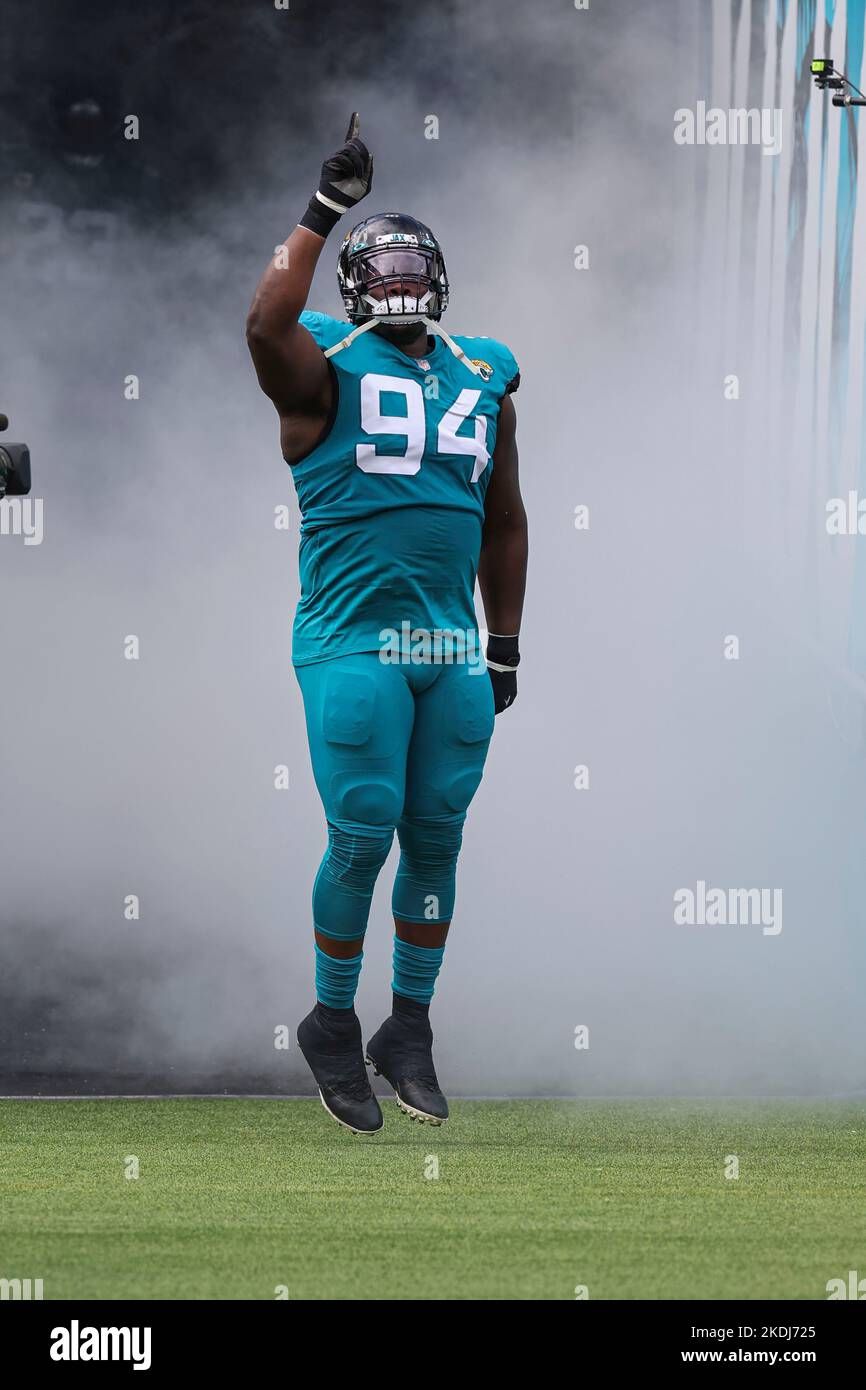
<point x="392" y="498"/>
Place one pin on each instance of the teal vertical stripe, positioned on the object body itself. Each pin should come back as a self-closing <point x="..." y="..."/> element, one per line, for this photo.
<point x="846" y="203"/>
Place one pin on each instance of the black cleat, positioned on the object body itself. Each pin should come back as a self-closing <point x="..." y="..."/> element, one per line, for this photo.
<point x="332" y="1047"/>
<point x="402" y="1052"/>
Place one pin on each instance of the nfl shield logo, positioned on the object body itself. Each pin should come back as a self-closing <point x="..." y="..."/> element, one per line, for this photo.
<point x="423" y="364"/>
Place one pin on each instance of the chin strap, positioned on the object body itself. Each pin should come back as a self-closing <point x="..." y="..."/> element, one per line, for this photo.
<point x="350" y="338"/>
<point x="434" y="328"/>
<point x="439" y="331"/>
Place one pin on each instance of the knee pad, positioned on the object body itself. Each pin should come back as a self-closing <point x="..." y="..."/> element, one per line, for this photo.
<point x="367" y="804"/>
<point x="424" y="886"/>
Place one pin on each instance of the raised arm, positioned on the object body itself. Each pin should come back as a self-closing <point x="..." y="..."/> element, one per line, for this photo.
<point x="291" y="368"/>
<point x="503" y="560"/>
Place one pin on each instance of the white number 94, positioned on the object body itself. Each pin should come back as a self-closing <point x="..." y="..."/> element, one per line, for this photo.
<point x="414" y="426"/>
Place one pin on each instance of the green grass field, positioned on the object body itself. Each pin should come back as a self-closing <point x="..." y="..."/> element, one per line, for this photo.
<point x="237" y="1197"/>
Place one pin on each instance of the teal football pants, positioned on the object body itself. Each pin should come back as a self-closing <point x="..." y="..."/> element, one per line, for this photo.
<point x="393" y="747"/>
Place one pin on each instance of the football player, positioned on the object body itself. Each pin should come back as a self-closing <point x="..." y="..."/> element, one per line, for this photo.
<point x="401" y="442"/>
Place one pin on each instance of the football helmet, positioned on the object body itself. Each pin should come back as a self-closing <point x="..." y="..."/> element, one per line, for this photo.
<point x="391" y="268"/>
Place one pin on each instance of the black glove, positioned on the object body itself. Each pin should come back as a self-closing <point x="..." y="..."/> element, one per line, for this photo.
<point x="503" y="658"/>
<point x="347" y="177"/>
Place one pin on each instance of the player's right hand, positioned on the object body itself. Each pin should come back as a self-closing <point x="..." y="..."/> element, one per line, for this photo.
<point x="346" y="178"/>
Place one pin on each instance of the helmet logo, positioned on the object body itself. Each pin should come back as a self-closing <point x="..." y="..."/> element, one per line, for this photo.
<point x="402" y="238"/>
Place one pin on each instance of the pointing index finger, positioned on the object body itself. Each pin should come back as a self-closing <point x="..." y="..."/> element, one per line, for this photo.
<point x="354" y="126"/>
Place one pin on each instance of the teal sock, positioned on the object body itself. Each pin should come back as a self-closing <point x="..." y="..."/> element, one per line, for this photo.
<point x="416" y="969"/>
<point x="337" y="980"/>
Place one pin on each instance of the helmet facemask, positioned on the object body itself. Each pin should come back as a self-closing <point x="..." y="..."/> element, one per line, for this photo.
<point x="394" y="285"/>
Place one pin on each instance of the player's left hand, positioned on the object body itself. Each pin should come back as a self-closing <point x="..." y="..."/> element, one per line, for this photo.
<point x="503" y="658"/>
